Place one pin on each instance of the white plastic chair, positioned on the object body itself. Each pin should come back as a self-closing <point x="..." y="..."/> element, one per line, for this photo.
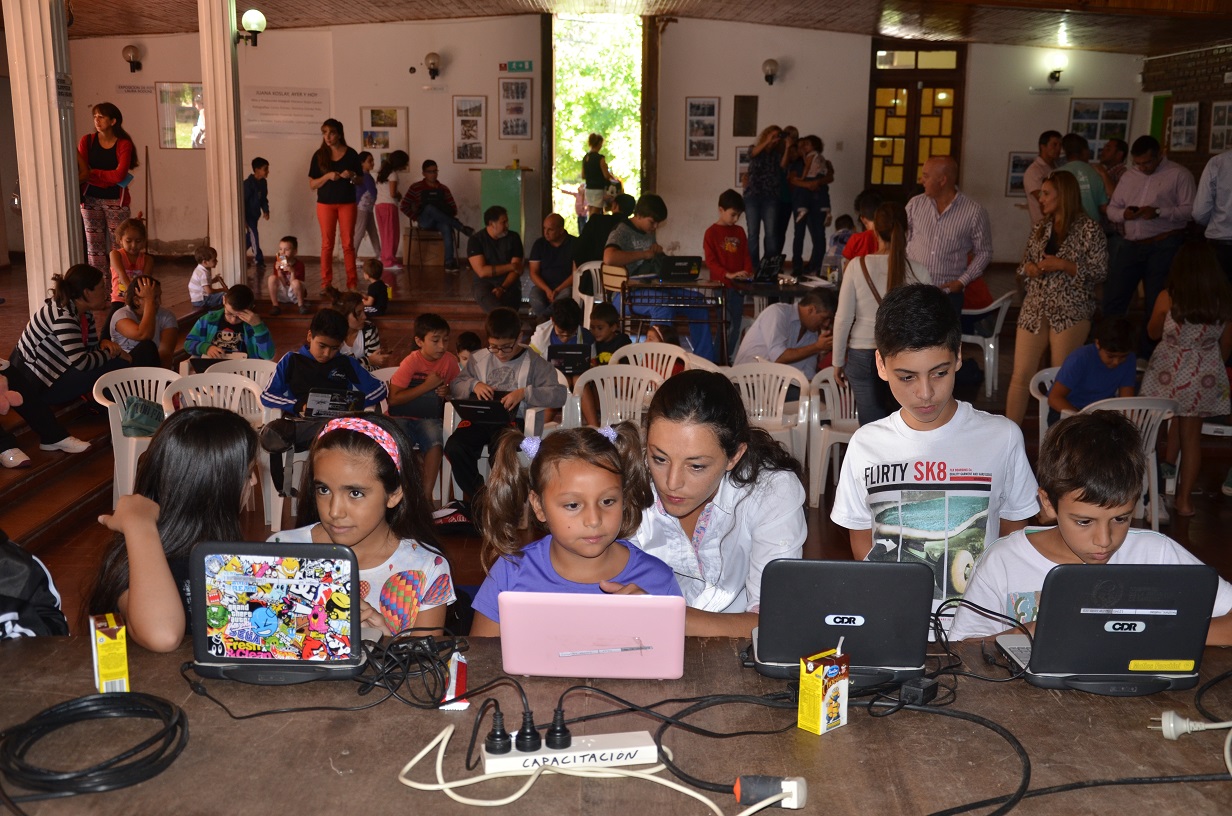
<point x="1001" y="306"/>
<point x="1041" y="384"/>
<point x="142" y="382"/>
<point x="763" y="387"/>
<point x="624" y="393"/>
<point x="594" y="271"/>
<point x="660" y="358"/>
<point x="696" y="362"/>
<point x="385" y="375"/>
<point x="258" y="370"/>
<point x="836" y="402"/>
<point x="1148" y="413"/>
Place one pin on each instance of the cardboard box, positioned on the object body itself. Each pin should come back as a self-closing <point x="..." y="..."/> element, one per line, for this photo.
<point x="823" y="691"/>
<point x="109" y="644"/>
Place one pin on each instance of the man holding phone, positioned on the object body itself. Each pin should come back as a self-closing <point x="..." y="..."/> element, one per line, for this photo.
<point x="1154" y="200"/>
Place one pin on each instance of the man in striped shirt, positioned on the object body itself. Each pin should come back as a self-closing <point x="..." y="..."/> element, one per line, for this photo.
<point x="948" y="232"/>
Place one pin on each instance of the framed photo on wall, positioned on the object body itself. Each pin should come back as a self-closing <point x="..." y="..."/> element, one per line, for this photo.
<point x="1018" y="164"/>
<point x="1099" y="120"/>
<point x="701" y="141"/>
<point x="470" y="129"/>
<point x="1221" y="126"/>
<point x="514" y="100"/>
<point x="742" y="165"/>
<point x="181" y="115"/>
<point x="1184" y="131"/>
<point x="384" y="130"/>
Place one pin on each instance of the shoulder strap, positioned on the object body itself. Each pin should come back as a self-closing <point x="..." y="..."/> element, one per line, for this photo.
<point x="869" y="280"/>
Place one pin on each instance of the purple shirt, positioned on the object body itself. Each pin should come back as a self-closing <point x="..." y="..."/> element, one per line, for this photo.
<point x="1170" y="189"/>
<point x="533" y="572"/>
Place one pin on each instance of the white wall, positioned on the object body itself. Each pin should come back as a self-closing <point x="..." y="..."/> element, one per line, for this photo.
<point x="703" y="58"/>
<point x="362" y="65"/>
<point x="1001" y="116"/>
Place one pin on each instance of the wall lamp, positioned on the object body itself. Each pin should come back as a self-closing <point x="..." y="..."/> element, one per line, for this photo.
<point x="133" y="57"/>
<point x="1056" y="64"/>
<point x="771" y="69"/>
<point x="432" y="61"/>
<point x="253" y="22"/>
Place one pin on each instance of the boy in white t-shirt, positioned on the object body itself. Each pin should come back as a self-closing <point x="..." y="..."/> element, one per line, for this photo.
<point x="937" y="481"/>
<point x="1090" y="476"/>
<point x="206" y="287"/>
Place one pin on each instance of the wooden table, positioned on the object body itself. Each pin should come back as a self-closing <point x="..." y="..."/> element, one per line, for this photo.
<point x="348" y="762"/>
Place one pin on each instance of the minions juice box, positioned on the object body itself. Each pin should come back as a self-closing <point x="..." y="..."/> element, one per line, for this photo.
<point x="823" y="691"/>
<point x="109" y="643"/>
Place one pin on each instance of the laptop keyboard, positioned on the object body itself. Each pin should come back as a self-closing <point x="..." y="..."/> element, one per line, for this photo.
<point x="1021" y="654"/>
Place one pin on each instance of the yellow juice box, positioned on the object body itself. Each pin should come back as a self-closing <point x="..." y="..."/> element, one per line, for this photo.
<point x="823" y="691"/>
<point x="109" y="644"/>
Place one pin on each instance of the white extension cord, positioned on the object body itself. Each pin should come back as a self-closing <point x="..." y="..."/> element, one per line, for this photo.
<point x="441" y="742"/>
<point x="1173" y="726"/>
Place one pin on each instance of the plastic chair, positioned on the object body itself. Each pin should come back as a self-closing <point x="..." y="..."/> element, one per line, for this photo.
<point x="592" y="270"/>
<point x="1041" y="384"/>
<point x="258" y="370"/>
<point x="1148" y="413"/>
<point x="234" y="392"/>
<point x="824" y="440"/>
<point x="385" y="375"/>
<point x="624" y="393"/>
<point x="694" y="362"/>
<point x="142" y="382"/>
<point x="661" y="358"/>
<point x="1001" y="307"/>
<point x="763" y="387"/>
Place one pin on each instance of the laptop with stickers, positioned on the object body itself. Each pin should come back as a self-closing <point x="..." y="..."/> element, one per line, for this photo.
<point x="275" y="613"/>
<point x="327" y="403"/>
<point x="1122" y="630"/>
<point x="880" y="609"/>
<point x="571" y="358"/>
<point x="564" y="634"/>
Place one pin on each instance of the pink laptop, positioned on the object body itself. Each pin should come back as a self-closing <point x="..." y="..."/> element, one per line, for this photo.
<point x="561" y="634"/>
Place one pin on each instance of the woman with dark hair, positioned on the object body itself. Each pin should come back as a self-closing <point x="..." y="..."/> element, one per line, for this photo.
<point x="104" y="159"/>
<point x="190" y="486"/>
<point x="728" y="499"/>
<point x="761" y="192"/>
<point x="59" y="355"/>
<point x="1066" y="256"/>
<point x="333" y="174"/>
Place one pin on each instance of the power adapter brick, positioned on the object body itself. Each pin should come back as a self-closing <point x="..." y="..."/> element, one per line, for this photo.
<point x="918" y="691"/>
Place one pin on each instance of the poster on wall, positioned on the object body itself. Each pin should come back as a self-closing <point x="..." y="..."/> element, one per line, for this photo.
<point x="384" y="130"/>
<point x="1099" y="120"/>
<point x="1184" y="131"/>
<point x="743" y="154"/>
<point x="514" y="99"/>
<point x="181" y="115"/>
<point x="470" y="129"/>
<point x="1019" y="162"/>
<point x="1221" y="126"/>
<point x="701" y="128"/>
<point x="288" y="113"/>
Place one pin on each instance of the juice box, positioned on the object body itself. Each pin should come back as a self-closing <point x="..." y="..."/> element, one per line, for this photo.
<point x="109" y="644"/>
<point x="823" y="691"/>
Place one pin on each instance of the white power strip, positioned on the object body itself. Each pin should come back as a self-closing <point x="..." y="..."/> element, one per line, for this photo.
<point x="599" y="751"/>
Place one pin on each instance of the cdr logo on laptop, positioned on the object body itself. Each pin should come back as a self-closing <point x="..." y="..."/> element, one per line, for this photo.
<point x="844" y="620"/>
<point x="1125" y="626"/>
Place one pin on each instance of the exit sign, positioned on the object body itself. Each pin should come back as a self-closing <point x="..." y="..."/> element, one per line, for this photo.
<point x="519" y="67"/>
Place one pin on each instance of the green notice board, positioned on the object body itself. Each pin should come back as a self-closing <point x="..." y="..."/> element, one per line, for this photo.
<point x="503" y="187"/>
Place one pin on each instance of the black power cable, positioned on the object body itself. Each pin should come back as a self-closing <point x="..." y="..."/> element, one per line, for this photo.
<point x="142" y="761"/>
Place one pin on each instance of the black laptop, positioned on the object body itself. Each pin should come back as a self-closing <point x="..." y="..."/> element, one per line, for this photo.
<point x="483" y="412"/>
<point x="1121" y="630"/>
<point x="680" y="268"/>
<point x="571" y="358"/>
<point x="770" y="269"/>
<point x="880" y="609"/>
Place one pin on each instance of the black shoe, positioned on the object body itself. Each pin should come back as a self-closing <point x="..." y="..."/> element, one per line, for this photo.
<point x="452" y="268"/>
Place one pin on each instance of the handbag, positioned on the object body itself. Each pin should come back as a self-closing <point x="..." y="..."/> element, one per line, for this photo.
<point x="140" y="416"/>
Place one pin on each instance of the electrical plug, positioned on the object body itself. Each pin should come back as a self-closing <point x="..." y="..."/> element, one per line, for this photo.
<point x="557" y="737"/>
<point x="749" y="790"/>
<point x="1173" y="726"/>
<point x="498" y="740"/>
<point x="528" y="739"/>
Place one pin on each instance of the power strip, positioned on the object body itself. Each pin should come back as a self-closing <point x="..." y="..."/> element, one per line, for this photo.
<point x="599" y="751"/>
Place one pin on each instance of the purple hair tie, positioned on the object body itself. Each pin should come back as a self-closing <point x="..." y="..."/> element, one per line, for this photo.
<point x="609" y="433"/>
<point x="530" y="446"/>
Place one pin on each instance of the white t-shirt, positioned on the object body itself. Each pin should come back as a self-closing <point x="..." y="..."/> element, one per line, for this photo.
<point x="165" y="319"/>
<point x="1009" y="576"/>
<point x="412" y="579"/>
<point x="199" y="284"/>
<point x="382" y="190"/>
<point x="856" y="316"/>
<point x="936" y="496"/>
<point x="774" y="331"/>
<point x="748" y="527"/>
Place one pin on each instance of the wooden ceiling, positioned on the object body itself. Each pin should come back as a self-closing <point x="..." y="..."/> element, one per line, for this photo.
<point x="1150" y="27"/>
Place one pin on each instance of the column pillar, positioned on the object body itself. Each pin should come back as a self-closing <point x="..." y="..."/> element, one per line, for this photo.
<point x="220" y="92"/>
<point x="37" y="40"/>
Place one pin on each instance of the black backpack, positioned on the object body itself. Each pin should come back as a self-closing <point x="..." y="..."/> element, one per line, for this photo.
<point x="29" y="604"/>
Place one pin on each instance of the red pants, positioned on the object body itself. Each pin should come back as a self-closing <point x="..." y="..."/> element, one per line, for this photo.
<point x="389" y="226"/>
<point x="331" y="217"/>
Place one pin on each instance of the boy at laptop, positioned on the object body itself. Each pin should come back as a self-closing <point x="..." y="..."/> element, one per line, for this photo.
<point x="726" y="248"/>
<point x="233" y="329"/>
<point x="936" y="481"/>
<point x="566" y="329"/>
<point x="605" y="326"/>
<point x="1090" y="476"/>
<point x="505" y="371"/>
<point x="315" y="366"/>
<point x="418" y="388"/>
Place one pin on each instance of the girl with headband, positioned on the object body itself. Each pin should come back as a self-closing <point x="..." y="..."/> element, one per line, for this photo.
<point x="587" y="488"/>
<point x="366" y="495"/>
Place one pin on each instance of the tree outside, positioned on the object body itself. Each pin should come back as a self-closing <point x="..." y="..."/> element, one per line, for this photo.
<point x="598" y="90"/>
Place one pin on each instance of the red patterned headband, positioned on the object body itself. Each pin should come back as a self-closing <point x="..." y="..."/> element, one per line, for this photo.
<point x="369" y="429"/>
